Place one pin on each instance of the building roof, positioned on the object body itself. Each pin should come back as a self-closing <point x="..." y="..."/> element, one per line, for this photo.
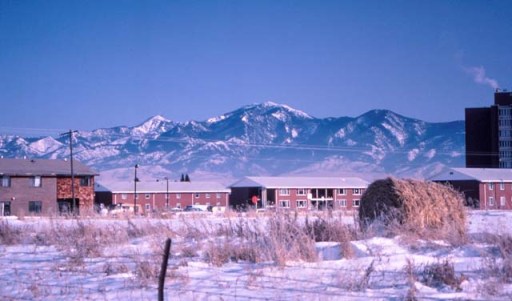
<point x="161" y="187"/>
<point x="301" y="182"/>
<point x="42" y="167"/>
<point x="475" y="174"/>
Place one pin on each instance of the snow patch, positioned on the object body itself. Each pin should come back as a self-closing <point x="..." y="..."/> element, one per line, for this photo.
<point x="47" y="144"/>
<point x="398" y="134"/>
<point x="216" y="119"/>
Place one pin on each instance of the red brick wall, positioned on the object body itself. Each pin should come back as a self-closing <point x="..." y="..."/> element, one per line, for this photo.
<point x="293" y="197"/>
<point x="21" y="192"/>
<point x="85" y="194"/>
<point x="157" y="201"/>
<point x="496" y="193"/>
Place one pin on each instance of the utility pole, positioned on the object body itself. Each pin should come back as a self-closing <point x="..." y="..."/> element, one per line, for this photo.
<point x="70" y="133"/>
<point x="135" y="180"/>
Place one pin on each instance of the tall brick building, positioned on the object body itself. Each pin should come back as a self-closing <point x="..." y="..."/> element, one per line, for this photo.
<point x="489" y="134"/>
<point x="37" y="186"/>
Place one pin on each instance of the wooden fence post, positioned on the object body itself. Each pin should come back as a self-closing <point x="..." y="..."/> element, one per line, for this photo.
<point x="163" y="270"/>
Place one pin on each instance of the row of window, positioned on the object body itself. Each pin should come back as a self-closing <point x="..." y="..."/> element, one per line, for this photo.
<point x="505" y="122"/>
<point x="147" y="196"/>
<point x="304" y="203"/>
<point x="504" y="111"/>
<point x="505" y="154"/>
<point x="507" y="143"/>
<point x="502" y="186"/>
<point x="505" y="164"/>
<point x="302" y="191"/>
<point x="505" y="133"/>
<point x="503" y="201"/>
<point x="37" y="181"/>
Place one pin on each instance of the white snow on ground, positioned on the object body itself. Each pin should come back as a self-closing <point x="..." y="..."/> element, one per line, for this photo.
<point x="375" y="271"/>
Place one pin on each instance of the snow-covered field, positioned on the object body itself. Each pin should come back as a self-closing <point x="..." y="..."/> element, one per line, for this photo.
<point x="230" y="257"/>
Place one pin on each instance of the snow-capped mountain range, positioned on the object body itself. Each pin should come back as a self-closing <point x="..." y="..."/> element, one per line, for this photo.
<point x="260" y="139"/>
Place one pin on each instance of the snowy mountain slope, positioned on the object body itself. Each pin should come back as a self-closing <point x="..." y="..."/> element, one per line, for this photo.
<point x="263" y="139"/>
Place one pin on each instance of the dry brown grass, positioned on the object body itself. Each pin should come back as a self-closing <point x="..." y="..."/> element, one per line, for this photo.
<point x="332" y="229"/>
<point x="425" y="209"/>
<point x="442" y="273"/>
<point x="9" y="234"/>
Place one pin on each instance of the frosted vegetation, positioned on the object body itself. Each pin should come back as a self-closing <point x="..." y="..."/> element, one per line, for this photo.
<point x="251" y="256"/>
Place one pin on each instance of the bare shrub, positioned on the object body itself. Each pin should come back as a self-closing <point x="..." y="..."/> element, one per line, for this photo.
<point x="220" y="253"/>
<point x="410" y="274"/>
<point x="146" y="271"/>
<point x="498" y="268"/>
<point x="421" y="208"/>
<point x="287" y="240"/>
<point x="111" y="268"/>
<point x="355" y="281"/>
<point x="9" y="234"/>
<point x="332" y="230"/>
<point x="442" y="273"/>
<point x="189" y="251"/>
<point x="84" y="239"/>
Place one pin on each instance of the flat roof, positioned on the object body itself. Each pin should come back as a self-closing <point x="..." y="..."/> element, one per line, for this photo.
<point x="475" y="174"/>
<point x="161" y="187"/>
<point x="301" y="182"/>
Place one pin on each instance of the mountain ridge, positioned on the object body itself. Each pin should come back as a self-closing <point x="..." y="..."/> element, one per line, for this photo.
<point x="262" y="139"/>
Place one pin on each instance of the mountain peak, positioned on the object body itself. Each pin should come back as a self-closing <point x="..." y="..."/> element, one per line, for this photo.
<point x="287" y="108"/>
<point x="157" y="122"/>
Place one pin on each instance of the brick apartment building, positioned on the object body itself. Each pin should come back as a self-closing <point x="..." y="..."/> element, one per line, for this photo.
<point x="302" y="193"/>
<point x="489" y="134"/>
<point x="483" y="188"/>
<point x="162" y="195"/>
<point x="38" y="186"/>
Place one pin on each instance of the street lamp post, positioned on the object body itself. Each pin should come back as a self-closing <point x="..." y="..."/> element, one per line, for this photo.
<point x="135" y="180"/>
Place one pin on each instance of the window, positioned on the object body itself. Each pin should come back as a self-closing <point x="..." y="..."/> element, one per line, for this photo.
<point x="178" y="195"/>
<point x="301" y="191"/>
<point x="302" y="204"/>
<point x="6" y="181"/>
<point x="207" y="195"/>
<point x="356" y="191"/>
<point x="85" y="181"/>
<point x="491" y="186"/>
<point x="491" y="201"/>
<point x="196" y="195"/>
<point x="148" y="207"/>
<point x="35" y="206"/>
<point x="502" y="201"/>
<point x="147" y="196"/>
<point x="284" y="191"/>
<point x="284" y="204"/>
<point x="36" y="181"/>
<point x="356" y="203"/>
<point x="502" y="186"/>
<point x="343" y="203"/>
<point x="342" y="191"/>
<point x="124" y="196"/>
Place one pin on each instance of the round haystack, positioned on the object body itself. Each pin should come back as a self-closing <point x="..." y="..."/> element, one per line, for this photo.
<point x="425" y="208"/>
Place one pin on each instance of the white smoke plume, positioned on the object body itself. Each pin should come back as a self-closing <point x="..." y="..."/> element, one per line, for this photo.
<point x="479" y="77"/>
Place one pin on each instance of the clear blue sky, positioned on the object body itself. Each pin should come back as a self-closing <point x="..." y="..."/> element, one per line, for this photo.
<point x="91" y="64"/>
